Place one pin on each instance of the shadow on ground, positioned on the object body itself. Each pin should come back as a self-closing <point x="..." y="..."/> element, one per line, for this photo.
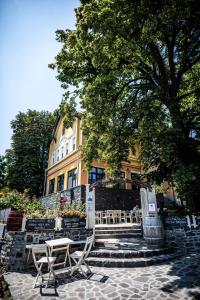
<point x="187" y="276"/>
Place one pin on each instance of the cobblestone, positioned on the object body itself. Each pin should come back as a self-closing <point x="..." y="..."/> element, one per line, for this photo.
<point x="178" y="279"/>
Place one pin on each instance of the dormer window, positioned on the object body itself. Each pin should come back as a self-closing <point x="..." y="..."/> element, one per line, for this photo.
<point x="63" y="130"/>
<point x="53" y="158"/>
<point x="62" y="152"/>
<point x="73" y="143"/>
<point x="67" y="148"/>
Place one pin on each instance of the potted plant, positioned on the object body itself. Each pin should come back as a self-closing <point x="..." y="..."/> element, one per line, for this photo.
<point x="41" y="219"/>
<point x="72" y="215"/>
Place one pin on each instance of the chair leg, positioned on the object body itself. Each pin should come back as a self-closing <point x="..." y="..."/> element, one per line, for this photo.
<point x="38" y="274"/>
<point x="87" y="267"/>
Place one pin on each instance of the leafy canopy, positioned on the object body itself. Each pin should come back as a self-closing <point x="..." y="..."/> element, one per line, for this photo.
<point x="28" y="156"/>
<point x="135" y="66"/>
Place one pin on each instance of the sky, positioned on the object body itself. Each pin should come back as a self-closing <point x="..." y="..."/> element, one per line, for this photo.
<point x="27" y="46"/>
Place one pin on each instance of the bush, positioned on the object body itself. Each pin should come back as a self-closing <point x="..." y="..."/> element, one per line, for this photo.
<point x="77" y="209"/>
<point x="19" y="201"/>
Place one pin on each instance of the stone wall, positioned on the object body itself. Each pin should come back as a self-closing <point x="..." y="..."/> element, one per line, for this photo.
<point x="185" y="239"/>
<point x="74" y="194"/>
<point x="182" y="233"/>
<point x="14" y="252"/>
<point x="110" y="198"/>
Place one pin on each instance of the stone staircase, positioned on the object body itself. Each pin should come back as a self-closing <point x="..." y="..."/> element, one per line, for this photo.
<point x="122" y="245"/>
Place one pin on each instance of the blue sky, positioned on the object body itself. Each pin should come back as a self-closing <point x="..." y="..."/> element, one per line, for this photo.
<point x="28" y="45"/>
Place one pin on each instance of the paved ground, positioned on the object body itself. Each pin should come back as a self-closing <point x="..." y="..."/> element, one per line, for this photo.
<point x="179" y="279"/>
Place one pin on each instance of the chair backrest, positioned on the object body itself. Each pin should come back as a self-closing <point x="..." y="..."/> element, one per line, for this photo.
<point x="87" y="248"/>
<point x="39" y="250"/>
<point x="98" y="213"/>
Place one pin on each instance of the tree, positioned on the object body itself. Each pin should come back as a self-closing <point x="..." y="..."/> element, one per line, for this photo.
<point x="28" y="156"/>
<point x="136" y="67"/>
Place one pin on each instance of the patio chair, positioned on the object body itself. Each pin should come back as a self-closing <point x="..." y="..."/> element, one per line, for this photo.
<point x="135" y="216"/>
<point x="44" y="258"/>
<point x="79" y="257"/>
<point x="111" y="216"/>
<point x="129" y="217"/>
<point x="123" y="216"/>
<point x="117" y="216"/>
<point x="98" y="217"/>
<point x="104" y="216"/>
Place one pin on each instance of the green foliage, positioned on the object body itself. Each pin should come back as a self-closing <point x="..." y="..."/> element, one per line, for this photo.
<point x="135" y="66"/>
<point x="28" y="156"/>
<point x="18" y="201"/>
<point x="76" y="209"/>
<point x="41" y="213"/>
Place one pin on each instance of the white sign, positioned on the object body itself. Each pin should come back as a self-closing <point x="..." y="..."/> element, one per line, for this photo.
<point x="90" y="204"/>
<point x="152" y="207"/>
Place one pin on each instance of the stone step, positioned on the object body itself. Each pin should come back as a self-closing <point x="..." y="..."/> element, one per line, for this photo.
<point x="113" y="253"/>
<point x="133" y="243"/>
<point x="114" y="231"/>
<point x="130" y="262"/>
<point x="117" y="235"/>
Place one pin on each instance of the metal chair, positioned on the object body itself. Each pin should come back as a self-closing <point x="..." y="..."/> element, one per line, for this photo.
<point x="79" y="257"/>
<point x="44" y="258"/>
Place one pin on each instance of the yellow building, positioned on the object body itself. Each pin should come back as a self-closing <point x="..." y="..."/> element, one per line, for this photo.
<point x="66" y="168"/>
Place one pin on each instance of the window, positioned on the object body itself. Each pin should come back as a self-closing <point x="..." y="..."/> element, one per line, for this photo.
<point x="73" y="143"/>
<point x="136" y="176"/>
<point x="95" y="174"/>
<point x="60" y="183"/>
<point x="122" y="185"/>
<point x="62" y="152"/>
<point x="53" y="158"/>
<point x="67" y="148"/>
<point x="72" y="178"/>
<point x="58" y="155"/>
<point x="51" y="186"/>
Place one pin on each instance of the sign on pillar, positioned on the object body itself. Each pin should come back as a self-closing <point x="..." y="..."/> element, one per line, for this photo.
<point x="90" y="208"/>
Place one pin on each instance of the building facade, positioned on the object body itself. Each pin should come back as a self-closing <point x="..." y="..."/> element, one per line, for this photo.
<point x="66" y="168"/>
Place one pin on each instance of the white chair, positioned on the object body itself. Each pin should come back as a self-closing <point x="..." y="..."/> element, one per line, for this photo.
<point x="79" y="257"/>
<point x="44" y="258"/>
<point x="117" y="216"/>
<point x="110" y="216"/>
<point x="104" y="216"/>
<point x="98" y="217"/>
<point x="123" y="216"/>
<point x="135" y="216"/>
<point x="129" y="216"/>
